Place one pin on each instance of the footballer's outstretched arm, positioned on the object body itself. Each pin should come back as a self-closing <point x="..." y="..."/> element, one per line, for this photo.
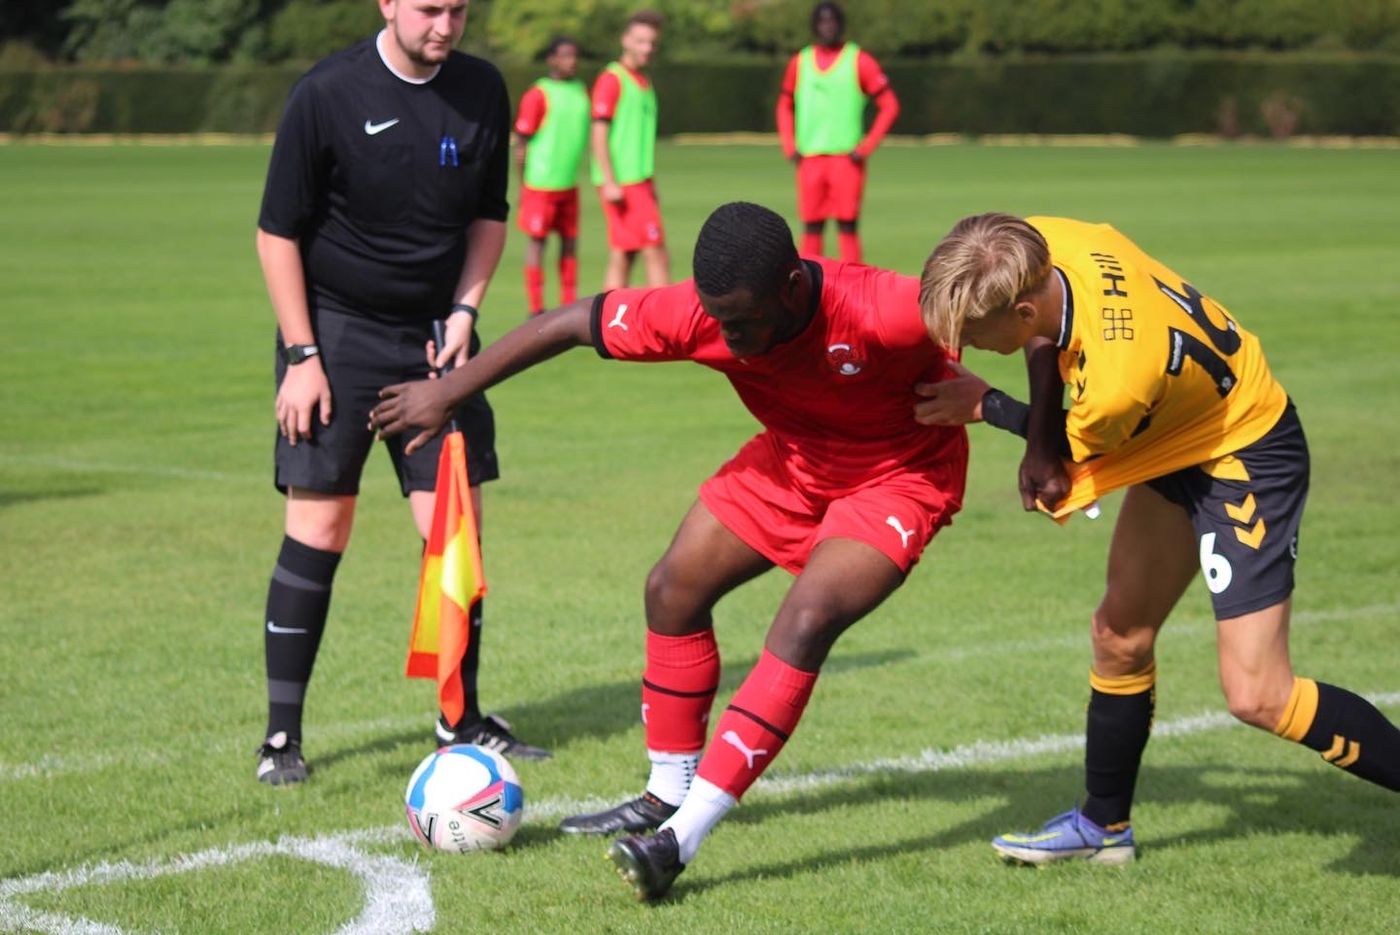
<point x="968" y="398"/>
<point x="428" y="404"/>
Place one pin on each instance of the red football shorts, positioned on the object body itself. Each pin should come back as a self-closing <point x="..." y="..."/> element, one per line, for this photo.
<point x="829" y="187"/>
<point x="544" y="212"/>
<point x="755" y="498"/>
<point x="635" y="221"/>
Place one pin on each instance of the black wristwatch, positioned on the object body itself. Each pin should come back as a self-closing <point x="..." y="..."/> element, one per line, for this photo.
<point x="294" y="354"/>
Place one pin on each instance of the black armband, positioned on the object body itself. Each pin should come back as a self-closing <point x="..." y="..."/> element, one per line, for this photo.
<point x="464" y="307"/>
<point x="1002" y="412"/>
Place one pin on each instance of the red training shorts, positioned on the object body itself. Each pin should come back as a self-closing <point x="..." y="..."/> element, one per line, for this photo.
<point x="635" y="221"/>
<point x="756" y="498"/>
<point x="543" y="212"/>
<point x="829" y="187"/>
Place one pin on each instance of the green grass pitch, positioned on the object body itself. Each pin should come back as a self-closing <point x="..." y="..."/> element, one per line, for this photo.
<point x="138" y="526"/>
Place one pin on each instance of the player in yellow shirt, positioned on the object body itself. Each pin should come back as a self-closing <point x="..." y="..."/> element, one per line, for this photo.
<point x="1173" y="399"/>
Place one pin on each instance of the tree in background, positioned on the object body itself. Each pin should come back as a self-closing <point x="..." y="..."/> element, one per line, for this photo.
<point x="213" y="31"/>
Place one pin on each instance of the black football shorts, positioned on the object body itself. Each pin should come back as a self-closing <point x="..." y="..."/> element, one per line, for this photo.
<point x="360" y="357"/>
<point x="1247" y="520"/>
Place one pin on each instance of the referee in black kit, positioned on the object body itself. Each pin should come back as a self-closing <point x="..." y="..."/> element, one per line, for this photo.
<point x="384" y="209"/>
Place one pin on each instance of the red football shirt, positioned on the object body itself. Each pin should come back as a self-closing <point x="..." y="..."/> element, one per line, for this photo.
<point x="607" y="89"/>
<point x="839" y="396"/>
<point x="533" y="105"/>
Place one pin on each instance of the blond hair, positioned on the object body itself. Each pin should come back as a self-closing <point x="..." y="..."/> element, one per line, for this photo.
<point x="984" y="265"/>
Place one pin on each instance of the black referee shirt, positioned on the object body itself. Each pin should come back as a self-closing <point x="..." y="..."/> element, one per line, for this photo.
<point x="357" y="177"/>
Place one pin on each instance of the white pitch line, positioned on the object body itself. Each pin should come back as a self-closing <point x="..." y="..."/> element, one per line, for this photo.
<point x="397" y="895"/>
<point x="52" y="765"/>
<point x="1174" y="629"/>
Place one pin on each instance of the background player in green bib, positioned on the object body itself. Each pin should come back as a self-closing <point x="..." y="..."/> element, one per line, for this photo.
<point x="821" y="114"/>
<point x="624" y="156"/>
<point x="551" y="133"/>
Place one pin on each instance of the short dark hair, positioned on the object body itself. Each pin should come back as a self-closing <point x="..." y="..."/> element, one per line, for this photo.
<point x="645" y="18"/>
<point x="557" y="43"/>
<point x="743" y="246"/>
<point x="826" y="6"/>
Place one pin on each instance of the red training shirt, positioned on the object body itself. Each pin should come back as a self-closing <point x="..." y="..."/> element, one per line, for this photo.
<point x="839" y="397"/>
<point x="607" y="89"/>
<point x="873" y="83"/>
<point x="533" y="105"/>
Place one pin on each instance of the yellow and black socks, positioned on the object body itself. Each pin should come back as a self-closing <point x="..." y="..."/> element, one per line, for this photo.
<point x="1119" y="722"/>
<point x="298" y="599"/>
<point x="1345" y="728"/>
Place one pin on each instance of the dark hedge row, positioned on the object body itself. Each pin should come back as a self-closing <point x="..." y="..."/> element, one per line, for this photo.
<point x="1146" y="95"/>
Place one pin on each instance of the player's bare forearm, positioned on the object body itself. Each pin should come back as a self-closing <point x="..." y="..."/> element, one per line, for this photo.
<point x="602" y="157"/>
<point x="428" y="404"/>
<point x="955" y="400"/>
<point x="1042" y="475"/>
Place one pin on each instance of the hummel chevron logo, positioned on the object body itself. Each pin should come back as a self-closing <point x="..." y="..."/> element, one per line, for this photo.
<point x="617" y="321"/>
<point x="274" y="628"/>
<point x="904" y="534"/>
<point x="737" y="742"/>
<point x="374" y="128"/>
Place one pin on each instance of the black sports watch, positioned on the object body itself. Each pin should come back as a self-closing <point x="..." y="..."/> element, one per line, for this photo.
<point x="294" y="354"/>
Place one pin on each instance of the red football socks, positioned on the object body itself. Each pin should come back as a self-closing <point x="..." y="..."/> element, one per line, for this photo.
<point x="756" y="724"/>
<point x="568" y="279"/>
<point x="534" y="288"/>
<point x="850" y="246"/>
<point x="811" y="244"/>
<point x="678" y="687"/>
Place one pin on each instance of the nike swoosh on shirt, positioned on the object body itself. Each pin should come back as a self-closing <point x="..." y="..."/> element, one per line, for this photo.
<point x="274" y="628"/>
<point x="373" y="128"/>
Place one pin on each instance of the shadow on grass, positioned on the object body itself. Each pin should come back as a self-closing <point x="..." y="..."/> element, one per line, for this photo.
<point x="9" y="498"/>
<point x="1279" y="802"/>
<point x="601" y="711"/>
<point x="422" y="739"/>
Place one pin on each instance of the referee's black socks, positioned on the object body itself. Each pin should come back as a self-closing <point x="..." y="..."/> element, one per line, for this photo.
<point x="1345" y="728"/>
<point x="471" y="663"/>
<point x="298" y="599"/>
<point x="1119" y="722"/>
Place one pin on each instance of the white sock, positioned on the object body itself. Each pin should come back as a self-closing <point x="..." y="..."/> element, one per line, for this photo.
<point x="671" y="774"/>
<point x="702" y="809"/>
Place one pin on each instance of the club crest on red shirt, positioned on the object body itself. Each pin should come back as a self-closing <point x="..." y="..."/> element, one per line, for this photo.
<point x="842" y="359"/>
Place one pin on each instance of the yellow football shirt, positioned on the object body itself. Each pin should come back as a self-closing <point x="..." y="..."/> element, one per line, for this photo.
<point x="1159" y="376"/>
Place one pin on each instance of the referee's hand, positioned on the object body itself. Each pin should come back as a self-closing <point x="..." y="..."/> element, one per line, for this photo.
<point x="304" y="388"/>
<point x="456" y="339"/>
<point x="404" y="406"/>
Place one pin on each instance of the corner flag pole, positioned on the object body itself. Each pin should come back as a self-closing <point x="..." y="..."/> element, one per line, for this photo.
<point x="439" y="339"/>
<point x="451" y="580"/>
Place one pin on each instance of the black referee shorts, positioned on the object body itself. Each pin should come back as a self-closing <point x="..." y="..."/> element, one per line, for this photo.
<point x="1247" y="525"/>
<point x="360" y="357"/>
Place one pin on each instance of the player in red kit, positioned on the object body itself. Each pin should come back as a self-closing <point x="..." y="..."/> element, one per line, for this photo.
<point x="551" y="134"/>
<point x="821" y="116"/>
<point x="842" y="488"/>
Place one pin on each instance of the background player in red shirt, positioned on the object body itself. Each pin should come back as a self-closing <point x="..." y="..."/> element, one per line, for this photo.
<point x="624" y="156"/>
<point x="551" y="134"/>
<point x="843" y="489"/>
<point x="821" y="111"/>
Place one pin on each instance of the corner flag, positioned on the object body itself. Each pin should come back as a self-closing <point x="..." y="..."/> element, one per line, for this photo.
<point x="451" y="581"/>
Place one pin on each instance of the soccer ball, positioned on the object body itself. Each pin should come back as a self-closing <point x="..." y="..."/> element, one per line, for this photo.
<point x="464" y="798"/>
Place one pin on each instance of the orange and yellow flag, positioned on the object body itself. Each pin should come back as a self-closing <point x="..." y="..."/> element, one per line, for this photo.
<point x="451" y="581"/>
